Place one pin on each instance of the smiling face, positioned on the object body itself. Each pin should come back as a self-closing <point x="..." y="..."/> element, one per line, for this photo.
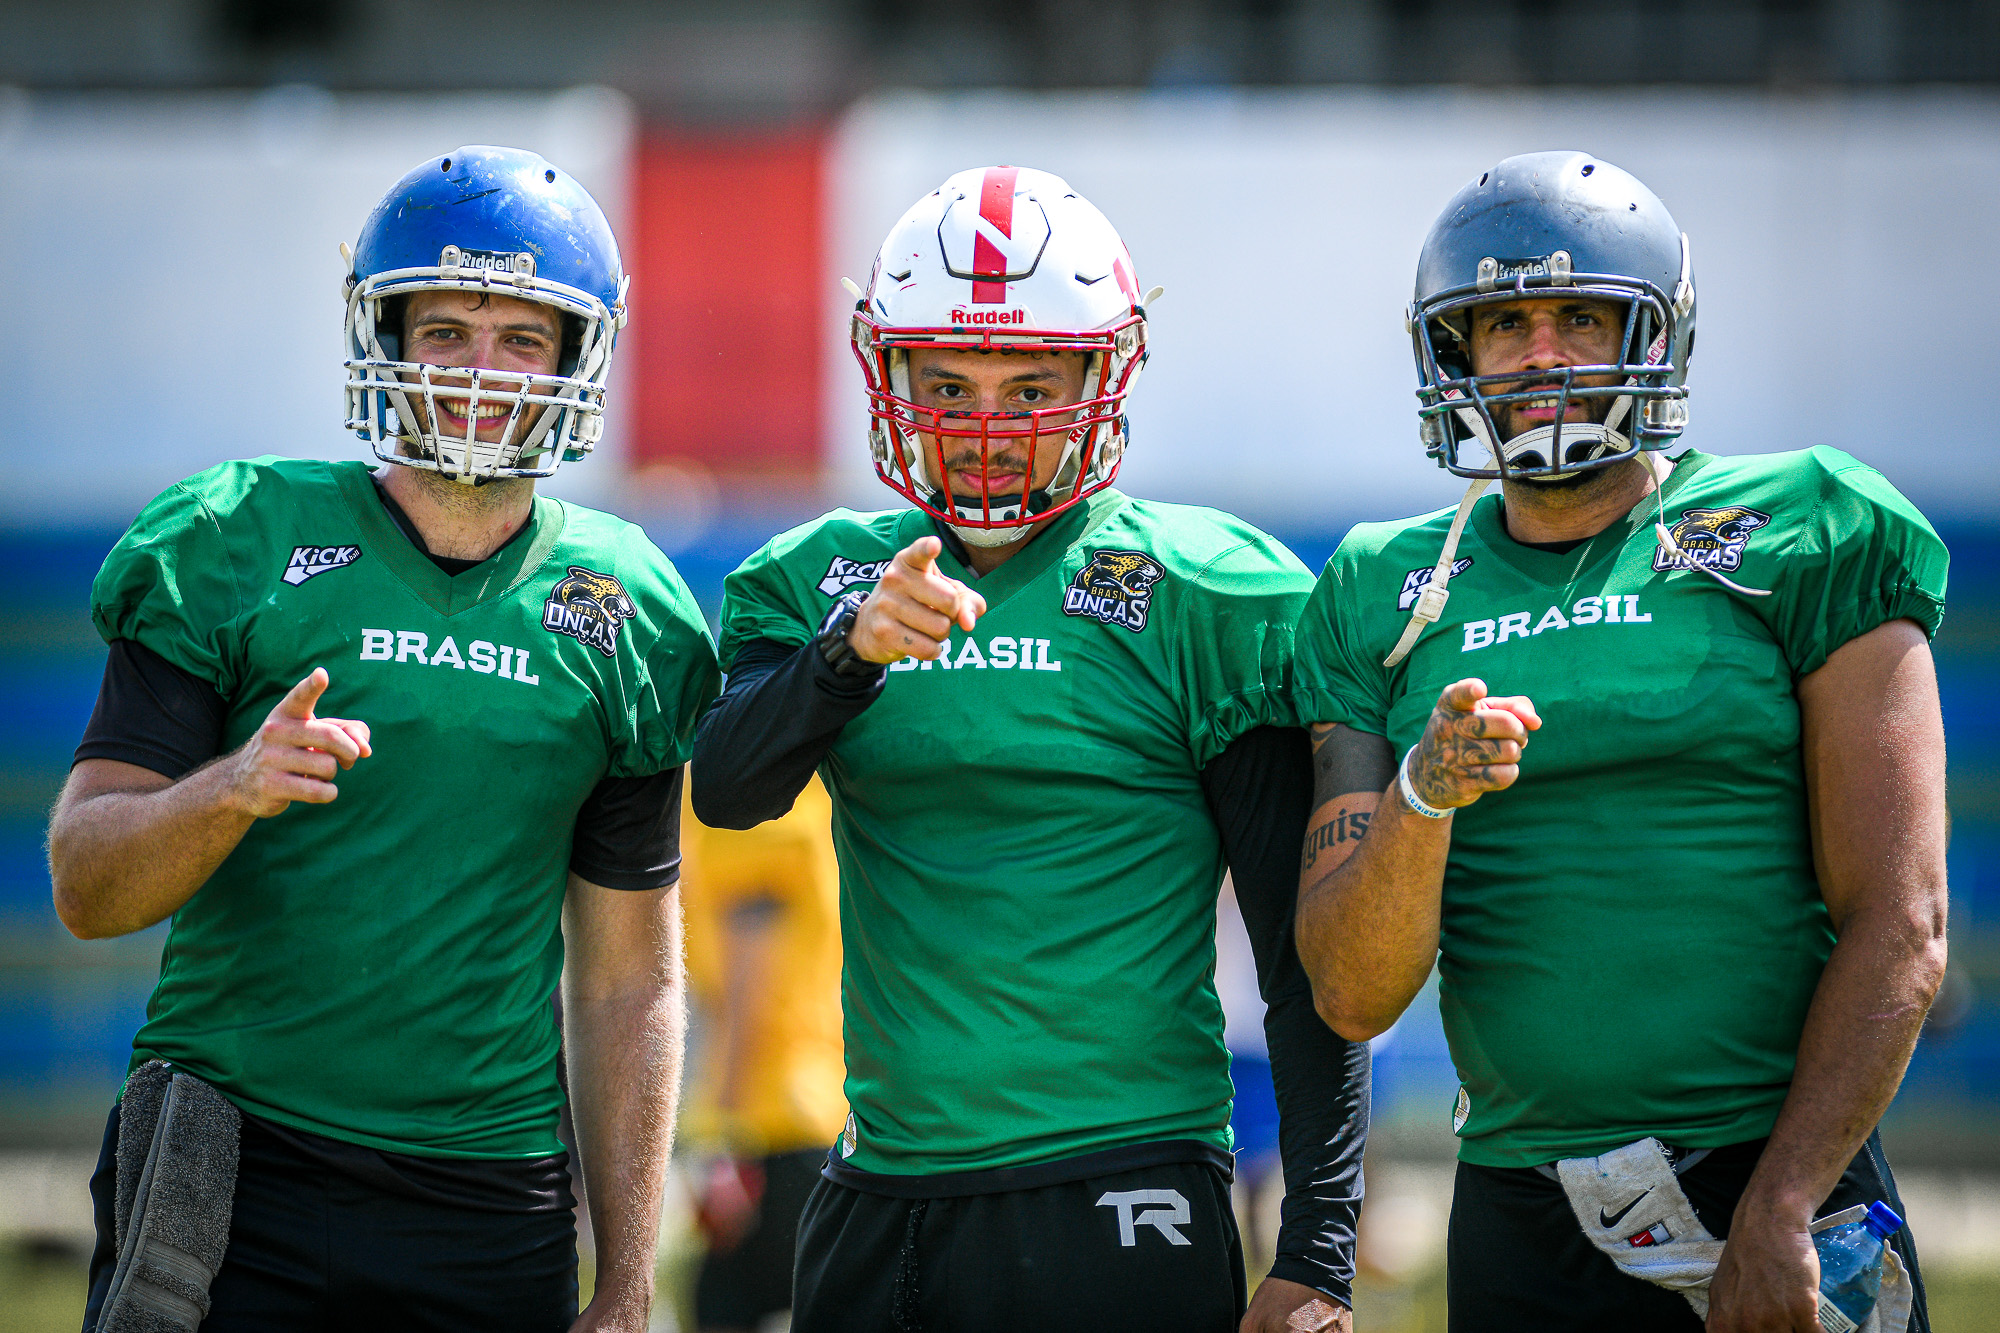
<point x="1010" y="385"/>
<point x="1546" y="333"/>
<point x="484" y="330"/>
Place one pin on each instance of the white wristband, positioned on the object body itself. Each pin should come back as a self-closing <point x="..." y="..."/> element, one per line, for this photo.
<point x="1410" y="797"/>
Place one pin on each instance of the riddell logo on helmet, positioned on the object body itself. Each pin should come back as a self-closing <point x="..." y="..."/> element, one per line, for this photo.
<point x="962" y="315"/>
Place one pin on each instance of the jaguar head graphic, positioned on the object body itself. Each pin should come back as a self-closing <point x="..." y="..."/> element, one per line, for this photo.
<point x="1709" y="528"/>
<point x="590" y="593"/>
<point x="1127" y="574"/>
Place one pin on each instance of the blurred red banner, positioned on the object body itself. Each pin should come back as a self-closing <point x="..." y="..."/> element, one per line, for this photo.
<point x="725" y="252"/>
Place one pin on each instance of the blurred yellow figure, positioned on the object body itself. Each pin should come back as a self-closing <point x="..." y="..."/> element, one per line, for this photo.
<point x="763" y="944"/>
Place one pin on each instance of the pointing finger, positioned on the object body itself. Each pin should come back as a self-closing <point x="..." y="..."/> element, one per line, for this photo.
<point x="1520" y="705"/>
<point x="935" y="591"/>
<point x="969" y="608"/>
<point x="920" y="554"/>
<point x="299" y="703"/>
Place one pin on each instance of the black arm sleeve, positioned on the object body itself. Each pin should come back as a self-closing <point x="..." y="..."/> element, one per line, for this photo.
<point x="151" y="713"/>
<point x="628" y="832"/>
<point x="756" y="749"/>
<point x="1260" y="793"/>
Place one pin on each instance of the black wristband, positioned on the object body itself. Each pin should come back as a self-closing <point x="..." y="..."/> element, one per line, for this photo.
<point x="832" y="638"/>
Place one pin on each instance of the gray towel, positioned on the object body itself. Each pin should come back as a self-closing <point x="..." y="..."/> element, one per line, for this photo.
<point x="177" y="1150"/>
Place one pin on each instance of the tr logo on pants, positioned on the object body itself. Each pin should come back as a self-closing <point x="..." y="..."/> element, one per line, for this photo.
<point x="1163" y="1220"/>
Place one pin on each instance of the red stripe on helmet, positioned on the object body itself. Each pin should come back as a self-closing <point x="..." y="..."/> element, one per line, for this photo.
<point x="996" y="199"/>
<point x="996" y="205"/>
<point x="1127" y="283"/>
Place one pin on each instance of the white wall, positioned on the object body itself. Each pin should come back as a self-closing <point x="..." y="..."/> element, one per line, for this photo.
<point x="171" y="272"/>
<point x="1844" y="252"/>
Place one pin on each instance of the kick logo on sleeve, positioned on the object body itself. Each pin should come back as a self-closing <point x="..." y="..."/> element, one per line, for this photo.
<point x="1115" y="588"/>
<point x="843" y="574"/>
<point x="589" y="607"/>
<point x="310" y="561"/>
<point x="1711" y="538"/>
<point x="1417" y="580"/>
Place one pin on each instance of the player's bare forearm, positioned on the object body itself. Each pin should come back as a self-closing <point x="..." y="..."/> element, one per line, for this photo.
<point x="624" y="1011"/>
<point x="1372" y="874"/>
<point x="1368" y="908"/>
<point x="1873" y="744"/>
<point x="128" y="846"/>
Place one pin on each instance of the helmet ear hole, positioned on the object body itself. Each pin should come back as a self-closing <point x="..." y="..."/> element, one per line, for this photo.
<point x="572" y="344"/>
<point x="390" y="330"/>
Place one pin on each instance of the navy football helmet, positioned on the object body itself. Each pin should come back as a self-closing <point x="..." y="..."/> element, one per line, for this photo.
<point x="482" y="219"/>
<point x="1550" y="225"/>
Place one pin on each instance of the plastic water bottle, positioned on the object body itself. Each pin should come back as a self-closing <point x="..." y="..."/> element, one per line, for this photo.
<point x="1850" y="1268"/>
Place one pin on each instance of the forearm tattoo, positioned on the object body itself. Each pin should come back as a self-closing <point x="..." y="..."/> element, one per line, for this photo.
<point x="1345" y="826"/>
<point x="1346" y="763"/>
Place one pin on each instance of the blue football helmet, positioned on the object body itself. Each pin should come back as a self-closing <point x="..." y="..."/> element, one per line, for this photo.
<point x="1550" y="225"/>
<point x="482" y="219"/>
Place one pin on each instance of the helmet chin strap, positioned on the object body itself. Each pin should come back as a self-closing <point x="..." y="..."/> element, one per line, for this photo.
<point x="1533" y="448"/>
<point x="988" y="538"/>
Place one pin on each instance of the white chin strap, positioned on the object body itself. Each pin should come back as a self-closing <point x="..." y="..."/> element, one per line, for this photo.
<point x="1533" y="448"/>
<point x="990" y="537"/>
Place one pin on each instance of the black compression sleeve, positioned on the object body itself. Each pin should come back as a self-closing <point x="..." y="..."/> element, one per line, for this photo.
<point x="1260" y="792"/>
<point x="628" y="832"/>
<point x="151" y="713"/>
<point x="756" y="749"/>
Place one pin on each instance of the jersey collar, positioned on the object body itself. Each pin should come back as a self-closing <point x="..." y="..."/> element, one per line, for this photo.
<point x="449" y="594"/>
<point x="1553" y="568"/>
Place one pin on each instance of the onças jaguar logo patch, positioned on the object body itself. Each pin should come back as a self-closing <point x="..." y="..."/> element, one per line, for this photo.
<point x="1114" y="588"/>
<point x="589" y="607"/>
<point x="1711" y="538"/>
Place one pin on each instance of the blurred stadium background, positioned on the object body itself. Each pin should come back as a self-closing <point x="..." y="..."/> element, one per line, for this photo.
<point x="176" y="175"/>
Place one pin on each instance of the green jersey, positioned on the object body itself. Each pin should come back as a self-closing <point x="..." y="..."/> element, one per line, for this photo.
<point x="379" y="969"/>
<point x="1632" y="932"/>
<point x="1028" y="866"/>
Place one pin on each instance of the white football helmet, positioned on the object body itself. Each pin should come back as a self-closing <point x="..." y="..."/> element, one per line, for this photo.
<point x="1000" y="259"/>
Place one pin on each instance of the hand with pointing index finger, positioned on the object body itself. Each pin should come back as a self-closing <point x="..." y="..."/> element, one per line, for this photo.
<point x="293" y="756"/>
<point x="913" y="608"/>
<point x="1472" y="745"/>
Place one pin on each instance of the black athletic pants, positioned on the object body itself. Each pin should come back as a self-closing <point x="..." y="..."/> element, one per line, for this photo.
<point x="1518" y="1261"/>
<point x="1145" y="1249"/>
<point x="314" y="1251"/>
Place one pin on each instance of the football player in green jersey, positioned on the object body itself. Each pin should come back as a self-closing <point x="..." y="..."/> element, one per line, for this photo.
<point x="371" y="911"/>
<point x="1049" y="715"/>
<point x="1682" y="870"/>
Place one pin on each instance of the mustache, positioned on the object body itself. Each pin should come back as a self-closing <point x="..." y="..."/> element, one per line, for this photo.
<point x="994" y="463"/>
